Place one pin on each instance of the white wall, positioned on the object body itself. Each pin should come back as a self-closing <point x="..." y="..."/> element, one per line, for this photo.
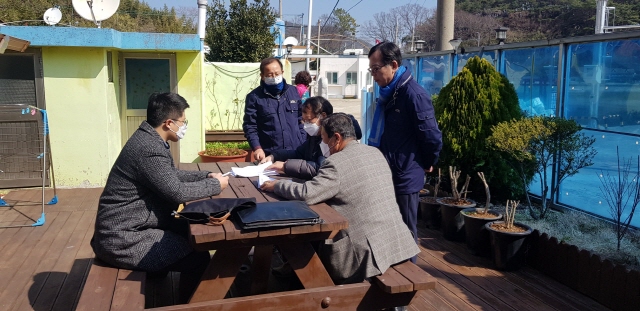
<point x="342" y="65"/>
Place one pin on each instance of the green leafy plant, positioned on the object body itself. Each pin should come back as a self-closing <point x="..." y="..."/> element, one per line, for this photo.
<point x="224" y="148"/>
<point x="537" y="145"/>
<point x="476" y="99"/>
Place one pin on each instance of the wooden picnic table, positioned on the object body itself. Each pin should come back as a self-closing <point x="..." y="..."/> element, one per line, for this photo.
<point x="232" y="246"/>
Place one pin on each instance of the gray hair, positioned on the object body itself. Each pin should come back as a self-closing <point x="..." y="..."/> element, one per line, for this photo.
<point x="339" y="123"/>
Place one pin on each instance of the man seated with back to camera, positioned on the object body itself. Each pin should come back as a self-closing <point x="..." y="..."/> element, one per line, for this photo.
<point x="134" y="219"/>
<point x="355" y="180"/>
<point x="304" y="161"/>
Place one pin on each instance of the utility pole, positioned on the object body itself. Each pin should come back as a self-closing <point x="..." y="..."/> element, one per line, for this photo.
<point x="317" y="59"/>
<point x="301" y="27"/>
<point x="306" y="66"/>
<point x="318" y="38"/>
<point x="280" y="9"/>
<point x="444" y="24"/>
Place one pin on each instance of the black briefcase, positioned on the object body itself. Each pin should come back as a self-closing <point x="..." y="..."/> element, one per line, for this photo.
<point x="276" y="214"/>
<point x="207" y="211"/>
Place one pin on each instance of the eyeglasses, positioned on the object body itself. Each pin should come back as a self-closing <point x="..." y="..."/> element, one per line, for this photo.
<point x="375" y="69"/>
<point x="185" y="122"/>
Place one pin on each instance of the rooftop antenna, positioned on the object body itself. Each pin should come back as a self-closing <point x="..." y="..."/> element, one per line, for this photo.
<point x="52" y="16"/>
<point x="96" y="10"/>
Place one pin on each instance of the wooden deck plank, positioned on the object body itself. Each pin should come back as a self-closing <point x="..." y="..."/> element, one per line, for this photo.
<point x="23" y="244"/>
<point x="25" y="259"/>
<point x="433" y="301"/>
<point x="502" y="288"/>
<point x="447" y="261"/>
<point x="553" y="298"/>
<point x="42" y="261"/>
<point x="463" y="288"/>
<point x="23" y="206"/>
<point x="64" y="262"/>
<point x="60" y="287"/>
<point x="72" y="201"/>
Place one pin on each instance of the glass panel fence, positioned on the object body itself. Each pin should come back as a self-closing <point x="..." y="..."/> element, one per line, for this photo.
<point x="435" y="73"/>
<point x="534" y="74"/>
<point x="603" y="85"/>
<point x="582" y="190"/>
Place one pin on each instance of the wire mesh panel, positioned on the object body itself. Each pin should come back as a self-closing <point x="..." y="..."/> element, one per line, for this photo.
<point x="21" y="147"/>
<point x="24" y="155"/>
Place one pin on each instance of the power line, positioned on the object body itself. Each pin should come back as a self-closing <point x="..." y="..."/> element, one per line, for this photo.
<point x="353" y="6"/>
<point x="328" y="18"/>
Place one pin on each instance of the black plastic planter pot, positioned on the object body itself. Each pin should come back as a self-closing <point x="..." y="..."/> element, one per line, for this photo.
<point x="476" y="236"/>
<point x="508" y="248"/>
<point x="430" y="213"/>
<point x="452" y="221"/>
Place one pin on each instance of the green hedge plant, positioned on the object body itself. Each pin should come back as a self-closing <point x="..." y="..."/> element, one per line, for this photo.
<point x="539" y="144"/>
<point x="467" y="108"/>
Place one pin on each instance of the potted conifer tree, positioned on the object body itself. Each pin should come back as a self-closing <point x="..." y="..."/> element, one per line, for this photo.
<point x="476" y="235"/>
<point x="450" y="208"/>
<point x="508" y="239"/>
<point x="467" y="108"/>
<point x="430" y="208"/>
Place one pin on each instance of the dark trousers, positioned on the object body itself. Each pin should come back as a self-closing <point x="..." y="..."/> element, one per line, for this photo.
<point x="191" y="269"/>
<point x="408" y="204"/>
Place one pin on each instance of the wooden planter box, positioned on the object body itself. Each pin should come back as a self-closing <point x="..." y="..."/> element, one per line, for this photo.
<point x="612" y="285"/>
<point x="229" y="136"/>
<point x="211" y="136"/>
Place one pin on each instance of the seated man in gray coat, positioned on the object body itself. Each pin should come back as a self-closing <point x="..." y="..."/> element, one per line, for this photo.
<point x="356" y="181"/>
<point x="142" y="190"/>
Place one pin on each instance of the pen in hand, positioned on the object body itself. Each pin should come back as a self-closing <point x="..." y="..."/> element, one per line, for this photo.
<point x="226" y="174"/>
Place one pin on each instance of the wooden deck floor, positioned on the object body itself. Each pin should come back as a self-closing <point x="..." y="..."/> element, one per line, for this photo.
<point x="43" y="268"/>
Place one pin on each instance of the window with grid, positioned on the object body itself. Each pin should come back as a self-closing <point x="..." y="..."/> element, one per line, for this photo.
<point x="332" y="77"/>
<point x="352" y="77"/>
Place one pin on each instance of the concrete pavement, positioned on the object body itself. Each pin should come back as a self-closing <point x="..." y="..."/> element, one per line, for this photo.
<point x="350" y="106"/>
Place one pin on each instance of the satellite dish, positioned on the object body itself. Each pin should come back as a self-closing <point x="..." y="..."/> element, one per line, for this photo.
<point x="290" y="41"/>
<point x="52" y="16"/>
<point x="95" y="10"/>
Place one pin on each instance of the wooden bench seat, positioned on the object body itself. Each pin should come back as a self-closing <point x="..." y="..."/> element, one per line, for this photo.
<point x="112" y="289"/>
<point x="403" y="278"/>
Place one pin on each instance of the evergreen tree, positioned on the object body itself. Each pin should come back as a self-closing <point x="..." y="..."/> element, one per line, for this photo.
<point x="242" y="33"/>
<point x="476" y="99"/>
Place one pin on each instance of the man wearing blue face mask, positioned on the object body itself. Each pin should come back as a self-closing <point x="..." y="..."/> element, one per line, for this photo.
<point x="272" y="119"/>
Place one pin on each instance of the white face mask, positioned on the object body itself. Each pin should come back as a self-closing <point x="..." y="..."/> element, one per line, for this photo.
<point x="311" y="128"/>
<point x="325" y="149"/>
<point x="182" y="130"/>
<point x="273" y="80"/>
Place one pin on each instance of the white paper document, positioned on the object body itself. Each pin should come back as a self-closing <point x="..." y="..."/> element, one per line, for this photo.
<point x="262" y="178"/>
<point x="253" y="171"/>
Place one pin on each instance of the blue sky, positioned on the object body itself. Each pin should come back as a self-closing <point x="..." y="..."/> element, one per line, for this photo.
<point x="362" y="11"/>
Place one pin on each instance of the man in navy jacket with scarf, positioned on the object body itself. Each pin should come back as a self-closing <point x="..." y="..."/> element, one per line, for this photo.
<point x="272" y="119"/>
<point x="404" y="128"/>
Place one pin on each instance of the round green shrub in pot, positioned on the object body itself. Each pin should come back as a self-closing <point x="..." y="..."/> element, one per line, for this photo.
<point x="467" y="108"/>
